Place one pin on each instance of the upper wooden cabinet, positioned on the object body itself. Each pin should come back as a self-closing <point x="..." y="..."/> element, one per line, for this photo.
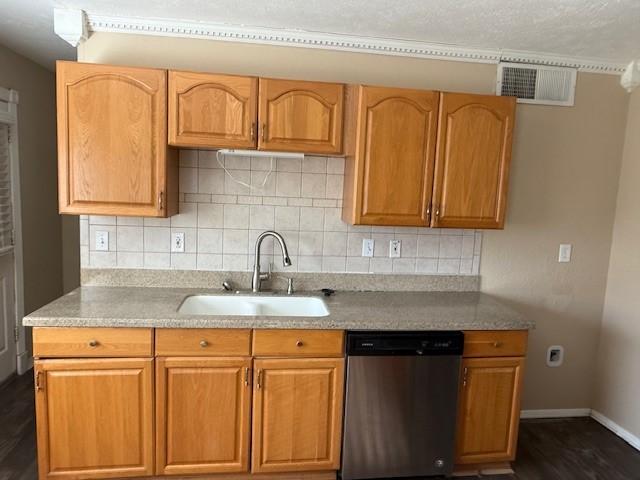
<point x="472" y="162"/>
<point x="395" y="136"/>
<point x="297" y="415"/>
<point x="112" y="149"/>
<point x="300" y="116"/>
<point x="95" y="418"/>
<point x="489" y="410"/>
<point x="212" y="110"/>
<point x="390" y="153"/>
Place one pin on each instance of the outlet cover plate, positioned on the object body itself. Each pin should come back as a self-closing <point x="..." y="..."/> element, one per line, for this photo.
<point x="367" y="247"/>
<point x="177" y="242"/>
<point x="394" y="248"/>
<point x="102" y="241"/>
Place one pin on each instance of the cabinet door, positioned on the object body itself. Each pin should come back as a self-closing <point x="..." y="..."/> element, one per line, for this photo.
<point x="301" y="116"/>
<point x="94" y="418"/>
<point x="216" y="111"/>
<point x="472" y="162"/>
<point x="489" y="410"/>
<point x="112" y="148"/>
<point x="202" y="415"/>
<point x="297" y="414"/>
<point x="394" y="156"/>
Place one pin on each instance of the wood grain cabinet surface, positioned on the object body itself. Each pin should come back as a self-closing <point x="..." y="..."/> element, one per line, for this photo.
<point x="300" y="116"/>
<point x="202" y="415"/>
<point x="297" y="414"/>
<point x="391" y="141"/>
<point x="209" y="110"/>
<point x="472" y="161"/>
<point x="95" y="418"/>
<point x="489" y="410"/>
<point x="113" y="157"/>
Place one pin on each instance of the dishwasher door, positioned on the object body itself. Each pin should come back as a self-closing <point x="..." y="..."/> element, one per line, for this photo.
<point x="400" y="416"/>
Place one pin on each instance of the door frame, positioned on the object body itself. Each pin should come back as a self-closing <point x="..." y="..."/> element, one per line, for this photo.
<point x="9" y="100"/>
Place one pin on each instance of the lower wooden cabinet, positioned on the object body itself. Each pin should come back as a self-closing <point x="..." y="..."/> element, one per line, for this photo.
<point x="202" y="415"/>
<point x="297" y="414"/>
<point x="95" y="418"/>
<point x="489" y="410"/>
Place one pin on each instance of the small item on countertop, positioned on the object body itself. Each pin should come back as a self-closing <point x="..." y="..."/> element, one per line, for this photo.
<point x="227" y="285"/>
<point x="328" y="292"/>
<point x="290" y="290"/>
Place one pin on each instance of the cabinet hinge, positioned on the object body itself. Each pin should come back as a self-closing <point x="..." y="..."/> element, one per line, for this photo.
<point x="16" y="332"/>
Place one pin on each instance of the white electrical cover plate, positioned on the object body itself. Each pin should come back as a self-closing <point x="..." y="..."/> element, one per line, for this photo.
<point x="564" y="254"/>
<point x="102" y="241"/>
<point x="394" y="248"/>
<point x="177" y="242"/>
<point x="367" y="247"/>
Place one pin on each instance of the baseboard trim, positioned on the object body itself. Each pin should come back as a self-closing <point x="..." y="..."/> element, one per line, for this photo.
<point x="623" y="433"/>
<point x="25" y="362"/>
<point x="556" y="413"/>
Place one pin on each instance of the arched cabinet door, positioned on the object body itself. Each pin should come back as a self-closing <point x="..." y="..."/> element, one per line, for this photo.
<point x="300" y="116"/>
<point x="216" y="111"/>
<point x="472" y="161"/>
<point x="112" y="150"/>
<point x="390" y="155"/>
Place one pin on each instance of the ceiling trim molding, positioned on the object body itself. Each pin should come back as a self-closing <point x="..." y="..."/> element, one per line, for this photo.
<point x="329" y="41"/>
<point x="70" y="25"/>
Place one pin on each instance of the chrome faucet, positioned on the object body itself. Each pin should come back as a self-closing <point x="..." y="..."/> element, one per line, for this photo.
<point x="257" y="278"/>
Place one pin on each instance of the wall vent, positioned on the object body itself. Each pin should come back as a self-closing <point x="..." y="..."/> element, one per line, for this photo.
<point x="537" y="84"/>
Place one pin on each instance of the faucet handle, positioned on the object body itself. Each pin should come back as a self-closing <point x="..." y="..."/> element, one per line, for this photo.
<point x="267" y="275"/>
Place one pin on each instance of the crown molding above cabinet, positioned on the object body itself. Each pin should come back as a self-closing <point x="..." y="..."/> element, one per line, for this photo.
<point x="328" y="41"/>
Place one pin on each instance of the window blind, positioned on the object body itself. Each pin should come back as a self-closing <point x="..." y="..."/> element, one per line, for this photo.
<point x="6" y="210"/>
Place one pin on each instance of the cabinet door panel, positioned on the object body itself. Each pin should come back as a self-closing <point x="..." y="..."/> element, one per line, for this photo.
<point x="472" y="167"/>
<point x="202" y="415"/>
<point x="489" y="410"/>
<point x="95" y="418"/>
<point x="207" y="110"/>
<point x="395" y="149"/>
<point x="111" y="140"/>
<point x="297" y="415"/>
<point x="301" y="116"/>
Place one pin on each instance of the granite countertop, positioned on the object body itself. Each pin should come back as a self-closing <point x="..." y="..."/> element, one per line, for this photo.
<point x="157" y="307"/>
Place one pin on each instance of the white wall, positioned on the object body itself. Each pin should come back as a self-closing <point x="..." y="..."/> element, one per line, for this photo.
<point x="618" y="377"/>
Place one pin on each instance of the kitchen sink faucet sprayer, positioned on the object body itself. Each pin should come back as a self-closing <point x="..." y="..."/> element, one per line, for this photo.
<point x="257" y="278"/>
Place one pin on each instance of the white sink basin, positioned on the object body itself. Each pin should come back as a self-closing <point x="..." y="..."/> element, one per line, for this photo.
<point x="254" y="305"/>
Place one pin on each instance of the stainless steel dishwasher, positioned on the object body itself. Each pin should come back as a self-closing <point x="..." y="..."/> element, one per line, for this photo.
<point x="401" y="404"/>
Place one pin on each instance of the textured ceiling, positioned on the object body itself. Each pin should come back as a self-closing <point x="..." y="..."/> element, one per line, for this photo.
<point x="607" y="30"/>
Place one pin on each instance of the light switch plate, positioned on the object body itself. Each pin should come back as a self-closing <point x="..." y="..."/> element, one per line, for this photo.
<point x="564" y="254"/>
<point x="367" y="247"/>
<point x="177" y="242"/>
<point x="394" y="248"/>
<point x="102" y="241"/>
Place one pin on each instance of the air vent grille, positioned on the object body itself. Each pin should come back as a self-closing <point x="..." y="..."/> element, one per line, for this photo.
<point x="537" y="84"/>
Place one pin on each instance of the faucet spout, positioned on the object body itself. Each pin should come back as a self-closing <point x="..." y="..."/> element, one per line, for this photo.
<point x="257" y="277"/>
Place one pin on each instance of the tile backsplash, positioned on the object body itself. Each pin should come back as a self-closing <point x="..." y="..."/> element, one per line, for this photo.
<point x="222" y="213"/>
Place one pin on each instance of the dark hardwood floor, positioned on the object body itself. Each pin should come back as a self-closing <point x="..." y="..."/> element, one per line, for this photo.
<point x="568" y="449"/>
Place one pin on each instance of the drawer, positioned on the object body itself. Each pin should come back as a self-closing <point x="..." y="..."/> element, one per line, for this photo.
<point x="92" y="342"/>
<point x="494" y="343"/>
<point x="202" y="342"/>
<point x="302" y="343"/>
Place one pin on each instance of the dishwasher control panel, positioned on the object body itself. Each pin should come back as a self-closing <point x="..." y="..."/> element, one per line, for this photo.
<point x="405" y="343"/>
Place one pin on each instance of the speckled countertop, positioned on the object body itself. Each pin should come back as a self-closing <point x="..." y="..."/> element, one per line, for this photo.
<point x="158" y="307"/>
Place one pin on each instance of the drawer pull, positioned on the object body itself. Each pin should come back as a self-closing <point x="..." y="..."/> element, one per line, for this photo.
<point x="299" y="343"/>
<point x="204" y="343"/>
<point x="497" y="344"/>
<point x="93" y="343"/>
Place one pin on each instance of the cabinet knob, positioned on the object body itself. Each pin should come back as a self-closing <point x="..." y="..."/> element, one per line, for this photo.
<point x="93" y="343"/>
<point x="299" y="343"/>
<point x="497" y="344"/>
<point x="204" y="343"/>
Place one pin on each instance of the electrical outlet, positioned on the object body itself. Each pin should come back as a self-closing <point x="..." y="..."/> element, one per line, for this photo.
<point x="367" y="247"/>
<point x="555" y="355"/>
<point x="102" y="241"/>
<point x="394" y="248"/>
<point x="177" y="242"/>
<point x="564" y="255"/>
